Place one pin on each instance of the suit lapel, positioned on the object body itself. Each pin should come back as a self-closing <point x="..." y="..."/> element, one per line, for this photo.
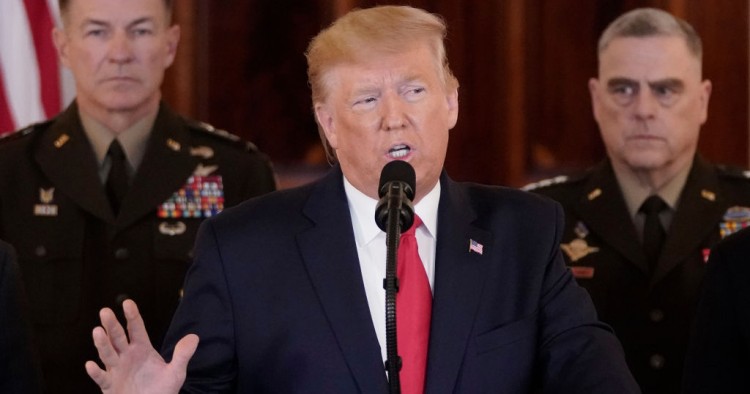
<point x="67" y="159"/>
<point x="700" y="209"/>
<point x="600" y="206"/>
<point x="330" y="255"/>
<point x="458" y="285"/>
<point x="166" y="166"/>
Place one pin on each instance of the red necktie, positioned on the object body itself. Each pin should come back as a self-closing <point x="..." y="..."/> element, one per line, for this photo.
<point x="413" y="312"/>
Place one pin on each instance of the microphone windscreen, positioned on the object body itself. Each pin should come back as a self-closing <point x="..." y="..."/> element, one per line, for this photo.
<point x="400" y="171"/>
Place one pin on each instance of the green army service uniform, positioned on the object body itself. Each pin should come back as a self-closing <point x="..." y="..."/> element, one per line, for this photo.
<point x="77" y="256"/>
<point x="650" y="313"/>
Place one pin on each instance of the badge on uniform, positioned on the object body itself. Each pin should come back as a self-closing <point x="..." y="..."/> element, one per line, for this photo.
<point x="200" y="197"/>
<point x="578" y="249"/>
<point x="46" y="208"/>
<point x="735" y="219"/>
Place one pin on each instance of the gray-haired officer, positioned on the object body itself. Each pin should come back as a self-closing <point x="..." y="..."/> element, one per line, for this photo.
<point x="103" y="202"/>
<point x="640" y="224"/>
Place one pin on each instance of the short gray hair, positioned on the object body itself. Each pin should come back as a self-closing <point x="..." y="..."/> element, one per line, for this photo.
<point x="650" y="22"/>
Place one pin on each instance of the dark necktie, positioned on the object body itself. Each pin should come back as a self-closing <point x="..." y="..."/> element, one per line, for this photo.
<point x="413" y="312"/>
<point x="117" y="179"/>
<point x="653" y="232"/>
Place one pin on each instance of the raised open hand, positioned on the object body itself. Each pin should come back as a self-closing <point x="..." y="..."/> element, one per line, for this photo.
<point x="133" y="365"/>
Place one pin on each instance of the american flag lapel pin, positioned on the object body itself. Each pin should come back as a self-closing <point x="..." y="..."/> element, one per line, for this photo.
<point x="475" y="247"/>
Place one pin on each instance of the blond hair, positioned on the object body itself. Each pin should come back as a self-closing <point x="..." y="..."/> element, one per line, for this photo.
<point x="363" y="33"/>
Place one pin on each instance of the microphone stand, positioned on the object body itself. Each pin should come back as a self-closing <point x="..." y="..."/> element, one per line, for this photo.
<point x="390" y="283"/>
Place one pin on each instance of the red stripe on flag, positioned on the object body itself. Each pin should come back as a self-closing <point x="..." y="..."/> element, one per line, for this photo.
<point x="6" y="123"/>
<point x="40" y="22"/>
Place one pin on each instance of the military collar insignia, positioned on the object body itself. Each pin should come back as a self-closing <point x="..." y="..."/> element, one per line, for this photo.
<point x="708" y="195"/>
<point x="594" y="194"/>
<point x="174" y="145"/>
<point x="735" y="219"/>
<point x="61" y="140"/>
<point x="46" y="196"/>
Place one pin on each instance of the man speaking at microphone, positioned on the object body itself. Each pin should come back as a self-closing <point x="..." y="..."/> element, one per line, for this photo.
<point x="286" y="291"/>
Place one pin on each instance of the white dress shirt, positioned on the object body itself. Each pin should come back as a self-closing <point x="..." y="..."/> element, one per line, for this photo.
<point x="371" y="248"/>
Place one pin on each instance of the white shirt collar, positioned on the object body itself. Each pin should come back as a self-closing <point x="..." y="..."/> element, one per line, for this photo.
<point x="362" y="210"/>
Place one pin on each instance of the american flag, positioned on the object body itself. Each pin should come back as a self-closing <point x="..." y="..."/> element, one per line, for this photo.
<point x="33" y="86"/>
<point x="475" y="247"/>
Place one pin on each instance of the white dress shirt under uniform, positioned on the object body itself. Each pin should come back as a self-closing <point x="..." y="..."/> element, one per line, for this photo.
<point x="371" y="248"/>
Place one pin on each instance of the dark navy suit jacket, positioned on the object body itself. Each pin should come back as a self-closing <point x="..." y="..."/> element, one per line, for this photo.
<point x="276" y="295"/>
<point x="19" y="366"/>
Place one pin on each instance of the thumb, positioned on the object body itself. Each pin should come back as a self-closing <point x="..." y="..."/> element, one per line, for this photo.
<point x="183" y="351"/>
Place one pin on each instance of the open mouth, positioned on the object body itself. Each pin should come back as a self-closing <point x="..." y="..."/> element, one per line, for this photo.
<point x="399" y="151"/>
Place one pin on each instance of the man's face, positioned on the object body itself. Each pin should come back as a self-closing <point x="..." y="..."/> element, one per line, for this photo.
<point x="650" y="103"/>
<point x="393" y="107"/>
<point x="118" y="51"/>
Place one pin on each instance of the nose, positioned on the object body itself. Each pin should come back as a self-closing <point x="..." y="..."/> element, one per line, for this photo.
<point x="120" y="48"/>
<point x="645" y="105"/>
<point x="393" y="115"/>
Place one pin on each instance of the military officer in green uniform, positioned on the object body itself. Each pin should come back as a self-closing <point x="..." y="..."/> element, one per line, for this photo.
<point x="102" y="203"/>
<point x="640" y="224"/>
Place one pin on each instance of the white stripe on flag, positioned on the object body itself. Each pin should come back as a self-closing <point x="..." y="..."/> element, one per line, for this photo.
<point x="19" y="65"/>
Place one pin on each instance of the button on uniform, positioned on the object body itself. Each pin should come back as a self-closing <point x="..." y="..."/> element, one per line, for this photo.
<point x="122" y="253"/>
<point x="656" y="361"/>
<point x="40" y="251"/>
<point x="656" y="315"/>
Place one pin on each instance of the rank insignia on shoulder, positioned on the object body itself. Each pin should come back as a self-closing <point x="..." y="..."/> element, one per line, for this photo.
<point x="735" y="219"/>
<point x="46" y="208"/>
<point x="545" y="183"/>
<point x="200" y="197"/>
<point x="577" y="249"/>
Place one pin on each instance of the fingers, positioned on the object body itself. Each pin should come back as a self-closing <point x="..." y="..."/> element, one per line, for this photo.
<point x="107" y="353"/>
<point x="136" y="327"/>
<point x="183" y="351"/>
<point x="114" y="329"/>
<point x="97" y="374"/>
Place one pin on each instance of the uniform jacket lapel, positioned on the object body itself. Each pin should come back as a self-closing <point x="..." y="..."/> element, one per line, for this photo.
<point x="66" y="158"/>
<point x="330" y="255"/>
<point x="165" y="168"/>
<point x="602" y="208"/>
<point x="701" y="202"/>
<point x="458" y="284"/>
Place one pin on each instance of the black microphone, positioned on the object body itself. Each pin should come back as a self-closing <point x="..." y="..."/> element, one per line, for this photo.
<point x="396" y="192"/>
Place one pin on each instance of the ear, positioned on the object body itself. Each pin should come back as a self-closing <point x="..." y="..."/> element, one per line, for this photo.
<point x="324" y="117"/>
<point x="594" y="86"/>
<point x="173" y="39"/>
<point x="452" y="101"/>
<point x="60" y="39"/>
<point x="706" y="88"/>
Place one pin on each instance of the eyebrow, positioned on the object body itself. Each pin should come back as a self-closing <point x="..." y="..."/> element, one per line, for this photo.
<point x="668" y="82"/>
<point x="96" y="22"/>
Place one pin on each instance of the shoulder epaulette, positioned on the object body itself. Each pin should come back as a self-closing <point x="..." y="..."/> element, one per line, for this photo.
<point x="733" y="172"/>
<point x="20" y="133"/>
<point x="222" y="134"/>
<point x="560" y="179"/>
